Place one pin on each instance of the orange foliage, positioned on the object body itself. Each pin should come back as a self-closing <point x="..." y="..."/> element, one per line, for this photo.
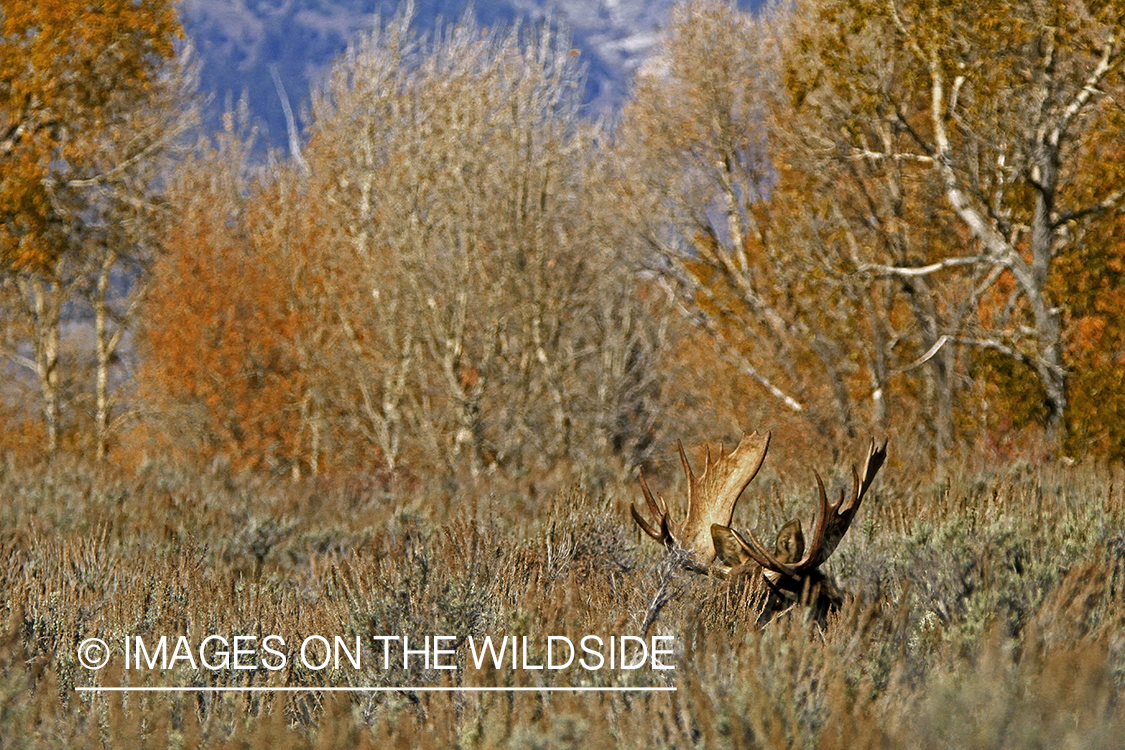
<point x="1092" y="287"/>
<point x="19" y="434"/>
<point x="223" y="327"/>
<point x="1095" y="343"/>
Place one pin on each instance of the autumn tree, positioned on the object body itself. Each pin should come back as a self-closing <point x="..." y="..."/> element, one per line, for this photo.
<point x="88" y="104"/>
<point x="994" y="105"/>
<point x="865" y="202"/>
<point x="884" y="227"/>
<point x="710" y="211"/>
<point x="226" y="358"/>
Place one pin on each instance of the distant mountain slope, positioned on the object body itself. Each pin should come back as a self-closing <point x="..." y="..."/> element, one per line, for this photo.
<point x="239" y="40"/>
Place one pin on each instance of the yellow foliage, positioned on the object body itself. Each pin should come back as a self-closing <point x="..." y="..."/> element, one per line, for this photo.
<point x="68" y="72"/>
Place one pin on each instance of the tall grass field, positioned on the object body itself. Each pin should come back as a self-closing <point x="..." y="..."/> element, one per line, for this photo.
<point x="985" y="610"/>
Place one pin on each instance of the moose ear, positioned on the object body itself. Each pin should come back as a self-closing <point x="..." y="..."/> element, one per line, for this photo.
<point x="727" y="549"/>
<point x="790" y="542"/>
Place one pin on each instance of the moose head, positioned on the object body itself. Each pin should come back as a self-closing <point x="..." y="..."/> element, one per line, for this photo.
<point x="788" y="575"/>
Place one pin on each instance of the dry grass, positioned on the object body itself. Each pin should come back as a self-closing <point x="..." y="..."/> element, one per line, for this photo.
<point x="988" y="612"/>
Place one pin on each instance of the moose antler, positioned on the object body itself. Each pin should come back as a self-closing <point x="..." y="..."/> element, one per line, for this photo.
<point x="711" y="497"/>
<point x="787" y="576"/>
<point x="832" y="523"/>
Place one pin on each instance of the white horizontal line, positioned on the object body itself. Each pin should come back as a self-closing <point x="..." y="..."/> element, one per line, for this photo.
<point x="400" y="688"/>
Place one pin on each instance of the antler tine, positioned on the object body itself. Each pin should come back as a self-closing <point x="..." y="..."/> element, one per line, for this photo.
<point x="659" y="512"/>
<point x="688" y="474"/>
<point x="759" y="554"/>
<point x="834" y="520"/>
<point x="648" y="529"/>
<point x="820" y="527"/>
<point x="875" y="459"/>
